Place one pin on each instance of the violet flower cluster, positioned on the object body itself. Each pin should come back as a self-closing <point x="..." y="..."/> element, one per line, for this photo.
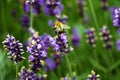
<point x="93" y="76"/>
<point x="14" y="48"/>
<point x="106" y="37"/>
<point x="36" y="4"/>
<point x="38" y="47"/>
<point x="90" y="35"/>
<point x="30" y="75"/>
<point x="37" y="51"/>
<point x="62" y="41"/>
<point x="53" y="8"/>
<point x="116" y="16"/>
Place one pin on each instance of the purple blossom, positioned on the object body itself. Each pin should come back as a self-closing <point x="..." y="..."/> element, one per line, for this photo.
<point x="25" y="21"/>
<point x="62" y="41"/>
<point x="50" y="23"/>
<point x="115" y="15"/>
<point x="38" y="47"/>
<point x="76" y="37"/>
<point x="14" y="48"/>
<point x="106" y="37"/>
<point x="37" y="4"/>
<point x="53" y="8"/>
<point x="90" y="35"/>
<point x="28" y="74"/>
<point x="118" y="44"/>
<point x="93" y="76"/>
<point x="27" y="7"/>
<point x="49" y="41"/>
<point x="37" y="52"/>
<point x="50" y="64"/>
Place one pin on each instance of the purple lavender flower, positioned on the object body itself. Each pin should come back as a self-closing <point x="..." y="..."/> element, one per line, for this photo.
<point x="118" y="44"/>
<point x="49" y="41"/>
<point x="36" y="4"/>
<point x="28" y="74"/>
<point x="115" y="15"/>
<point x="50" y="23"/>
<point x="104" y="5"/>
<point x="53" y="8"/>
<point x="90" y="35"/>
<point x="27" y="7"/>
<point x="14" y="48"/>
<point x="25" y="21"/>
<point x="75" y="38"/>
<point x="37" y="52"/>
<point x="106" y="37"/>
<point x="38" y="47"/>
<point x="93" y="76"/>
<point x="50" y="64"/>
<point x="62" y="41"/>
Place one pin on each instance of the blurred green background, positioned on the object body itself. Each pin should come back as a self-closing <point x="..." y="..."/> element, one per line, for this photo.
<point x="84" y="58"/>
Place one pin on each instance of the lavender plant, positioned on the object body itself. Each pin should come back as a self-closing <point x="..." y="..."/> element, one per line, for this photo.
<point x="14" y="48"/>
<point x="75" y="37"/>
<point x="90" y="35"/>
<point x="106" y="37"/>
<point x="93" y="76"/>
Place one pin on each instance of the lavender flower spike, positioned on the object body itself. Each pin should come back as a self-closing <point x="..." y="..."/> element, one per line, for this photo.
<point x="75" y="38"/>
<point x="28" y="74"/>
<point x="90" y="35"/>
<point x="37" y="51"/>
<point x="14" y="48"/>
<point x="116" y="16"/>
<point x="92" y="76"/>
<point x="118" y="44"/>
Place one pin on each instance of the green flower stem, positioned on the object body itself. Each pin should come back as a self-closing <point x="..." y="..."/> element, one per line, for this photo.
<point x="16" y="71"/>
<point x="31" y="16"/>
<point x="95" y="55"/>
<point x="93" y="14"/>
<point x="69" y="67"/>
<point x="111" y="56"/>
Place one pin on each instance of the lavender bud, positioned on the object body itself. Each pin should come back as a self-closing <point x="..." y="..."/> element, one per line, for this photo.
<point x="93" y="76"/>
<point x="90" y="35"/>
<point x="106" y="37"/>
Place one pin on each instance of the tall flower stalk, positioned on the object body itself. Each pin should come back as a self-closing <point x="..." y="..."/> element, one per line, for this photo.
<point x="15" y="50"/>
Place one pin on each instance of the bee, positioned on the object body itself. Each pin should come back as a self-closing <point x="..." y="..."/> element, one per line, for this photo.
<point x="60" y="27"/>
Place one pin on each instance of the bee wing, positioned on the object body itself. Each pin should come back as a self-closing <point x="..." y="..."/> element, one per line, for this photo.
<point x="66" y="26"/>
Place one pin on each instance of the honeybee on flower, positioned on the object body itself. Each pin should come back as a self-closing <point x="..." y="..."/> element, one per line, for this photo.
<point x="60" y="27"/>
